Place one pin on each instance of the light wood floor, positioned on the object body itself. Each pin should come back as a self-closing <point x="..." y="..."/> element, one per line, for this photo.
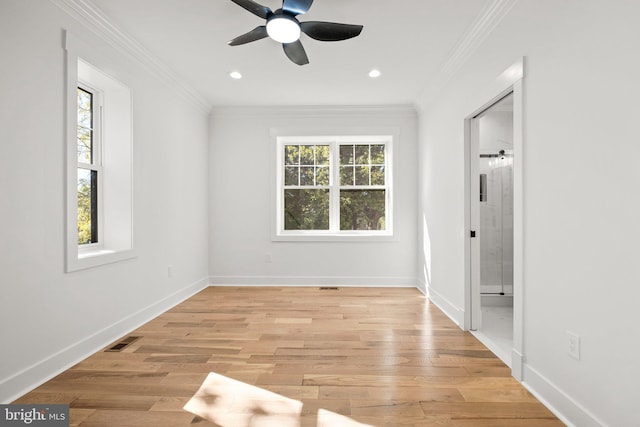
<point x="328" y="358"/>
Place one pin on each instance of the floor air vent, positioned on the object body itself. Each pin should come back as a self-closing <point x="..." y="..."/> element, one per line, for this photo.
<point x="121" y="345"/>
<point x="328" y="288"/>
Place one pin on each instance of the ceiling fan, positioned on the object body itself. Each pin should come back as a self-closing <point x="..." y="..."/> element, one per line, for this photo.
<point x="283" y="27"/>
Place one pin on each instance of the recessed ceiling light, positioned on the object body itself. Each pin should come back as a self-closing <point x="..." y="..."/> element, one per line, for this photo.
<point x="235" y="75"/>
<point x="375" y="73"/>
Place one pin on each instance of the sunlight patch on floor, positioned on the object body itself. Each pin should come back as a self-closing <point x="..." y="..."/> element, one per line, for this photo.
<point x="231" y="403"/>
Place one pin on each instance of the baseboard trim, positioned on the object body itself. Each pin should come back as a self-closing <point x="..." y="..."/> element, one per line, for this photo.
<point x="560" y="403"/>
<point x="517" y="364"/>
<point x="29" y="378"/>
<point x="447" y="307"/>
<point x="422" y="287"/>
<point x="354" y="281"/>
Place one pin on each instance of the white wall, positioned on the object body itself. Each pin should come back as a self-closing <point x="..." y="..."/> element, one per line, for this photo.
<point x="50" y="319"/>
<point x="581" y="201"/>
<point x="242" y="183"/>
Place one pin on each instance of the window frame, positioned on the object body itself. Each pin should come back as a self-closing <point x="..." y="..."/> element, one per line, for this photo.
<point x="115" y="189"/>
<point x="96" y="161"/>
<point x="334" y="233"/>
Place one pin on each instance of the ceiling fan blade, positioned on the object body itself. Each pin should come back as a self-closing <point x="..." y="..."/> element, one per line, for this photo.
<point x="297" y="7"/>
<point x="296" y="53"/>
<point x="253" y="35"/>
<point x="330" y="31"/>
<point x="257" y="9"/>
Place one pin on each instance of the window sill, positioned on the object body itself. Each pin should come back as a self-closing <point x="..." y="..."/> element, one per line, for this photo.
<point x="343" y="237"/>
<point x="98" y="257"/>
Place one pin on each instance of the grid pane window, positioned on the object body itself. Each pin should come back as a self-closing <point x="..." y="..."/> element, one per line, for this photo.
<point x="306" y="172"/>
<point x="85" y="126"/>
<point x="362" y="187"/>
<point x="349" y="196"/>
<point x="362" y="164"/>
<point x="306" y="165"/>
<point x="88" y="168"/>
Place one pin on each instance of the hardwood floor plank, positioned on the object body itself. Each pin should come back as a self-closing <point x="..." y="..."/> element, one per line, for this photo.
<point x="493" y="410"/>
<point x="126" y="402"/>
<point x="504" y="394"/>
<point x="536" y="422"/>
<point x="368" y="357"/>
<point x="387" y="408"/>
<point x="123" y="418"/>
<point x="420" y="394"/>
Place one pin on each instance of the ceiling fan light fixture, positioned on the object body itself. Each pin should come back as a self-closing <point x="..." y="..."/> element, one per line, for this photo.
<point x="283" y="28"/>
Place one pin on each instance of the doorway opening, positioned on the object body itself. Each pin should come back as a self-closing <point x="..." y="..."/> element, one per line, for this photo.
<point x="494" y="281"/>
<point x="493" y="167"/>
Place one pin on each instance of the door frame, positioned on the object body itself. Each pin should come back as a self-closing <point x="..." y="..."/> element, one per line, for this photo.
<point x="510" y="81"/>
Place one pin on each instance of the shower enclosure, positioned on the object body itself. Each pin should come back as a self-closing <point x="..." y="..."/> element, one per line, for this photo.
<point x="496" y="222"/>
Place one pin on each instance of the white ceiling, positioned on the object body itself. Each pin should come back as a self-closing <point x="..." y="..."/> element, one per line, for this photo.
<point x="410" y="41"/>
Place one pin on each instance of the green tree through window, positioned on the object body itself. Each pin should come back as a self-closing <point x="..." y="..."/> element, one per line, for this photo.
<point x="87" y="171"/>
<point x="359" y="188"/>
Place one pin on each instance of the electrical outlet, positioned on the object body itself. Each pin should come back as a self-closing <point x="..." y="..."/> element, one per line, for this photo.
<point x="267" y="257"/>
<point x="170" y="271"/>
<point x="574" y="345"/>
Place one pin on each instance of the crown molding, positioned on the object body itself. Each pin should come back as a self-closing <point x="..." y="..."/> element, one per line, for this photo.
<point x="95" y="20"/>
<point x="327" y="111"/>
<point x="477" y="33"/>
<point x="474" y="36"/>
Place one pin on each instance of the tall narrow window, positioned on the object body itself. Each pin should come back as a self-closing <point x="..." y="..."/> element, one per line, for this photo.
<point x="99" y="175"/>
<point x="88" y="141"/>
<point x="334" y="186"/>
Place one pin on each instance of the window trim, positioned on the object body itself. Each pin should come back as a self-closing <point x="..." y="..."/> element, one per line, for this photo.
<point x="115" y="243"/>
<point x="334" y="233"/>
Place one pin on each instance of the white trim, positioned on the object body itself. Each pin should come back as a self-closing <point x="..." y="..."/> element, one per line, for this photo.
<point x="517" y="364"/>
<point x="447" y="307"/>
<point x="475" y="35"/>
<point x="338" y="111"/>
<point x="95" y="258"/>
<point x="344" y="281"/>
<point x="518" y="216"/>
<point x="363" y="236"/>
<point x="95" y="20"/>
<point x="278" y="233"/>
<point x="509" y="81"/>
<point x="29" y="378"/>
<point x="422" y="286"/>
<point x="567" y="409"/>
<point x="115" y="239"/>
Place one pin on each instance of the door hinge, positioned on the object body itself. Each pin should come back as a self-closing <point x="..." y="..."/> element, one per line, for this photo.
<point x="473" y="233"/>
